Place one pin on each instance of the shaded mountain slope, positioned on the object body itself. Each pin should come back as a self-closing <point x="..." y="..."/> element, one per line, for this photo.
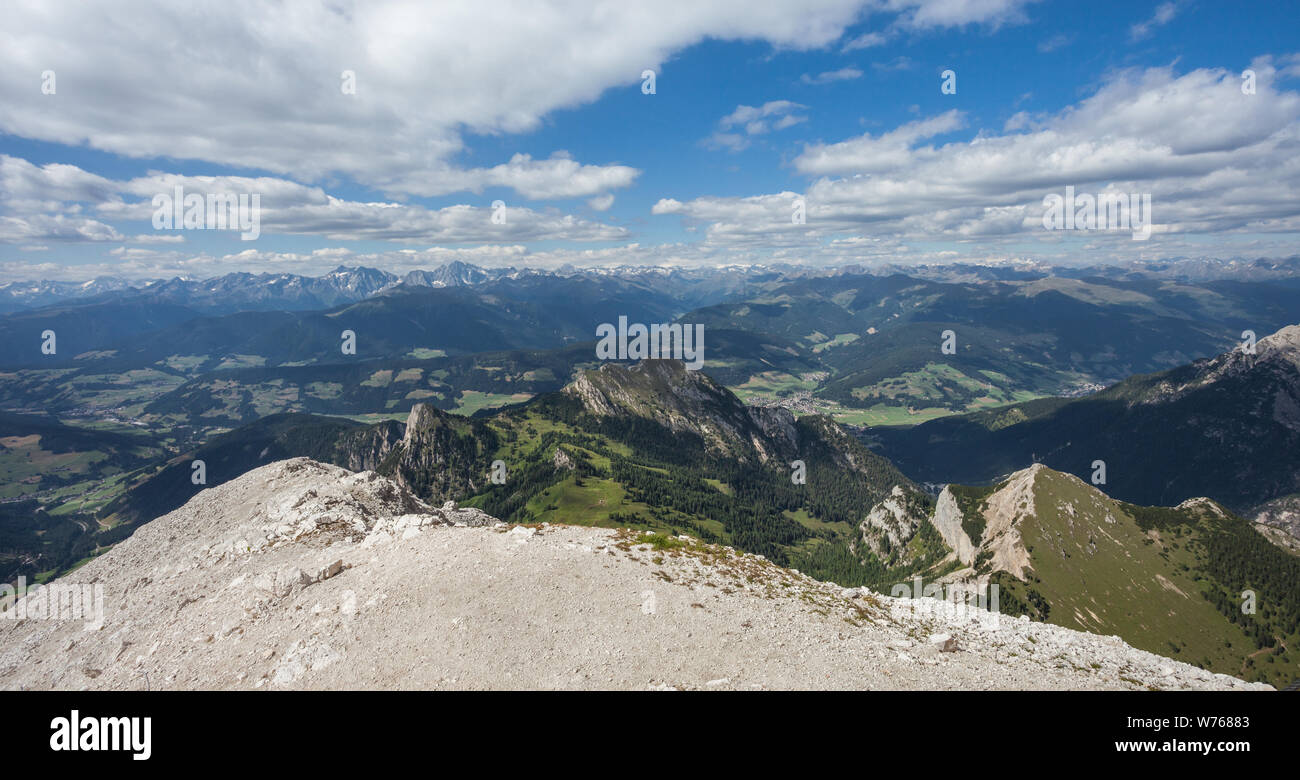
<point x="1226" y="427"/>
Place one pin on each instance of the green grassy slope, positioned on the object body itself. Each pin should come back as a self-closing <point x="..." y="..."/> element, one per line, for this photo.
<point x="1167" y="580"/>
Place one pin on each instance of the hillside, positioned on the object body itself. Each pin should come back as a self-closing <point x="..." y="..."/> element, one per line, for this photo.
<point x="46" y="464"/>
<point x="652" y="446"/>
<point x="1227" y="427"/>
<point x="161" y="487"/>
<point x="302" y="575"/>
<point x="657" y="447"/>
<point x="1168" y="579"/>
<point x="871" y="344"/>
<point x="689" y="403"/>
<point x="662" y="450"/>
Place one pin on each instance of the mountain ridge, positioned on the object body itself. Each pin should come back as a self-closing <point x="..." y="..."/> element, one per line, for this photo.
<point x="1227" y="427"/>
<point x="301" y="575"/>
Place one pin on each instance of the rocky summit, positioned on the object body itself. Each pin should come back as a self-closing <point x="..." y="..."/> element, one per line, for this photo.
<point x="299" y="574"/>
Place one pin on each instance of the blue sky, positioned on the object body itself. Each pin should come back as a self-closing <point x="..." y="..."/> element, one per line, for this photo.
<point x="836" y="102"/>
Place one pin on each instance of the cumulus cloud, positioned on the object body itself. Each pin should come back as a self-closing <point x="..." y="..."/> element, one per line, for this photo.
<point x="554" y="178"/>
<point x="601" y="202"/>
<point x="868" y="154"/>
<point x="431" y="78"/>
<point x="736" y="129"/>
<point x="419" y="76"/>
<point x="380" y="91"/>
<point x="55" y="227"/>
<point x="286" y="207"/>
<point x="1213" y="159"/>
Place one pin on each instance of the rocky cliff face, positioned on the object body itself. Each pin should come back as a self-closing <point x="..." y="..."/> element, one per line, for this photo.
<point x="893" y="522"/>
<point x="1279" y="521"/>
<point x="687" y="402"/>
<point x="440" y="456"/>
<point x="947" y="520"/>
<point x="1276" y="352"/>
<point x="366" y="448"/>
<point x="303" y="575"/>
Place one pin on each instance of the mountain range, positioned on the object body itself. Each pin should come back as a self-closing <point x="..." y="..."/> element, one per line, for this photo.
<point x="1108" y="452"/>
<point x="658" y="448"/>
<point x="1227" y="426"/>
<point x="234" y="291"/>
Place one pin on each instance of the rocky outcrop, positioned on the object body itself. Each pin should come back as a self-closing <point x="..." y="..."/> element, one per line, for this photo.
<point x="947" y="520"/>
<point x="366" y="448"/>
<point x="687" y="402"/>
<point x="893" y="522"/>
<point x="1008" y="506"/>
<point x="1279" y="521"/>
<point x="440" y="456"/>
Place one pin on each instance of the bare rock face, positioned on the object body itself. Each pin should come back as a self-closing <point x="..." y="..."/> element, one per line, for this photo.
<point x="1279" y="521"/>
<point x="896" y="519"/>
<point x="466" y="516"/>
<point x="1284" y="345"/>
<point x="438" y="457"/>
<point x="1007" y="508"/>
<point x="687" y="402"/>
<point x="421" y="419"/>
<point x="304" y="575"/>
<point x="947" y="521"/>
<point x="366" y="449"/>
<point x="777" y="424"/>
<point x="1277" y="353"/>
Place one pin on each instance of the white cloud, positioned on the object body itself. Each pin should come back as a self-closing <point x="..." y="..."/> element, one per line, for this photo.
<point x="830" y="76"/>
<point x="926" y="14"/>
<point x="896" y="64"/>
<point x="735" y="129"/>
<point x="286" y="208"/>
<point x="1213" y="159"/>
<point x="867" y="154"/>
<point x="55" y="227"/>
<point x="156" y="79"/>
<point x="752" y="117"/>
<point x="425" y="75"/>
<point x="864" y="41"/>
<point x="1165" y="13"/>
<point x="557" y="177"/>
